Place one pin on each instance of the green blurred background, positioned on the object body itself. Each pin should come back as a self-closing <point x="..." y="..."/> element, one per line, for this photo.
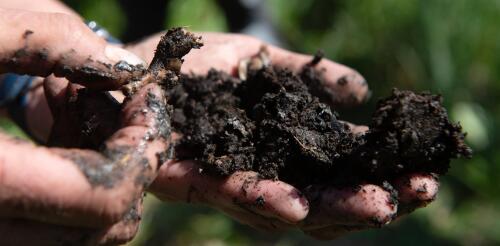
<point x="451" y="47"/>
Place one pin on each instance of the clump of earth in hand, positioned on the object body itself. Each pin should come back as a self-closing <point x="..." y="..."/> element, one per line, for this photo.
<point x="273" y="122"/>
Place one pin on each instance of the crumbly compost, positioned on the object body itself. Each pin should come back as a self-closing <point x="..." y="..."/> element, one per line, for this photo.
<point x="272" y="124"/>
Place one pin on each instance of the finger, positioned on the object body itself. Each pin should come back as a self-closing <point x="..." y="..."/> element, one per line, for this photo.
<point x="416" y="190"/>
<point x="272" y="199"/>
<point x="332" y="82"/>
<point x="123" y="231"/>
<point x="242" y="191"/>
<point x="39" y="44"/>
<point x="333" y="232"/>
<point x="256" y="221"/>
<point x="343" y="85"/>
<point x="81" y="187"/>
<point x="366" y="205"/>
<point x="37" y="114"/>
<point x="56" y="93"/>
<point x="27" y="232"/>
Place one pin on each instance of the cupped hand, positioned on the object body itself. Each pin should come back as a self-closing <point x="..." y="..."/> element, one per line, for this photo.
<point x="52" y="196"/>
<point x="322" y="212"/>
<point x="89" y="196"/>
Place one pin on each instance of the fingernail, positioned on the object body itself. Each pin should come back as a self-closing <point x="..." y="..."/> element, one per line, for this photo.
<point x="116" y="54"/>
<point x="354" y="78"/>
<point x="426" y="189"/>
<point x="373" y="205"/>
<point x="299" y="208"/>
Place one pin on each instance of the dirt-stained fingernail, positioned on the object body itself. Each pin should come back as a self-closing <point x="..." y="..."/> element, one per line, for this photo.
<point x="299" y="207"/>
<point x="418" y="187"/>
<point x="355" y="78"/>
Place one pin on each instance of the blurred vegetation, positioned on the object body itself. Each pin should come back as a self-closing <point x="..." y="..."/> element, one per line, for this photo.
<point x="451" y="47"/>
<point x="11" y="128"/>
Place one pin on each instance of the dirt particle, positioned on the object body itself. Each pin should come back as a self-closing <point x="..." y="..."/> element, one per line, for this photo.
<point x="124" y="66"/>
<point x="393" y="193"/>
<point x="42" y="54"/>
<point x="27" y="33"/>
<point x="20" y="53"/>
<point x="260" y="201"/>
<point x="342" y="81"/>
<point x="132" y="214"/>
<point x="422" y="189"/>
<point x="318" y="56"/>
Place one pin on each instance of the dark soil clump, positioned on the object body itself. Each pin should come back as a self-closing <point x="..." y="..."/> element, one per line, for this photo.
<point x="272" y="124"/>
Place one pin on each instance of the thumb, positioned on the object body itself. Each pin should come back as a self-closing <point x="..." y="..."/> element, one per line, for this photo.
<point x="44" y="43"/>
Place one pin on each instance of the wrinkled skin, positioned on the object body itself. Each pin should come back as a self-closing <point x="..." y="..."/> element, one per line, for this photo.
<point x="94" y="214"/>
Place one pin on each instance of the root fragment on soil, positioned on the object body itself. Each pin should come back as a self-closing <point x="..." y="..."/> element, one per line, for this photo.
<point x="167" y="61"/>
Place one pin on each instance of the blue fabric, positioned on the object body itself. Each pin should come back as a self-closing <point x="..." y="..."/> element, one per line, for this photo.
<point x="13" y="95"/>
<point x="12" y="86"/>
<point x="102" y="32"/>
<point x="17" y="108"/>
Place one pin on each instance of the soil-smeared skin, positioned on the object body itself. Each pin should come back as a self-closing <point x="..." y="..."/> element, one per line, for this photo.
<point x="93" y="72"/>
<point x="271" y="124"/>
<point x="90" y="117"/>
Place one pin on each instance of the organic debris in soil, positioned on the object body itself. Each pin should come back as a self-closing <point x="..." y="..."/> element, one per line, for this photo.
<point x="271" y="123"/>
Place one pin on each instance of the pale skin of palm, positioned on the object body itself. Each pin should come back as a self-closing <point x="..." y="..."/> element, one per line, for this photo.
<point x="94" y="213"/>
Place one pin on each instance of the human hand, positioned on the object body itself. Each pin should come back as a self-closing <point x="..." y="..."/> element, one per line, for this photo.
<point x="41" y="44"/>
<point x="58" y="195"/>
<point x="67" y="195"/>
<point x="322" y="212"/>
